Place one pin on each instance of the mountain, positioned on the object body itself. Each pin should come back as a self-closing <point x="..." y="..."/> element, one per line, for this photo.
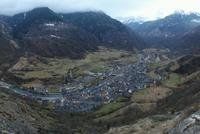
<point x="191" y="40"/>
<point x="8" y="48"/>
<point x="128" y="20"/>
<point x="3" y="18"/>
<point x="43" y="32"/>
<point x="133" y="21"/>
<point x="21" y="22"/>
<point x="108" y="31"/>
<point x="165" y="32"/>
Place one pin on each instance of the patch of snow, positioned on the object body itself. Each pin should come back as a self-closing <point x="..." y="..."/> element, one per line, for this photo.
<point x="196" y="20"/>
<point x="182" y="12"/>
<point x="54" y="36"/>
<point x="196" y="116"/>
<point x="14" y="44"/>
<point x="128" y="20"/>
<point x="24" y="15"/>
<point x="130" y="91"/>
<point x="49" y="24"/>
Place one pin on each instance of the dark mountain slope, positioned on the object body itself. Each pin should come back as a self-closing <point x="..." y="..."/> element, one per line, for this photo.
<point x="108" y="31"/>
<point x="191" y="40"/>
<point x="59" y="40"/>
<point x="44" y="32"/>
<point x="173" y="24"/>
<point x="188" y="65"/>
<point x="8" y="48"/>
<point x="21" y="22"/>
<point x="4" y="18"/>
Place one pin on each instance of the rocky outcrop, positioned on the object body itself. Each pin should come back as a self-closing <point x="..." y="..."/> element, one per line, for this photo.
<point x="190" y="125"/>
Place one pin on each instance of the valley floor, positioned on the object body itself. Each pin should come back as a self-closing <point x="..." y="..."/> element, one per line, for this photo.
<point x="168" y="102"/>
<point x="118" y="81"/>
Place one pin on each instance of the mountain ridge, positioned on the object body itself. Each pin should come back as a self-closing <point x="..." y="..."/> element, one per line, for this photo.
<point x="43" y="32"/>
<point x="168" y="31"/>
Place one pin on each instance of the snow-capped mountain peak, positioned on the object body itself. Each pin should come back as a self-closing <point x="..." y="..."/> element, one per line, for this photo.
<point x="128" y="20"/>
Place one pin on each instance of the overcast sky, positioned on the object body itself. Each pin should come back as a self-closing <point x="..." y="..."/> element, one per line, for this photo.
<point x="150" y="9"/>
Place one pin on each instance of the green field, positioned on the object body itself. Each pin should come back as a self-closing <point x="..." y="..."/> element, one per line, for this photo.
<point x="54" y="69"/>
<point x="111" y="107"/>
<point x="173" y="81"/>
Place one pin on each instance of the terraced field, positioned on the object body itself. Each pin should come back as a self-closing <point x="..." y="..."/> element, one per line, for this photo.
<point x="37" y="71"/>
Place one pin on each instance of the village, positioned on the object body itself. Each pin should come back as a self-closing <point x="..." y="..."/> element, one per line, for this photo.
<point x="119" y="81"/>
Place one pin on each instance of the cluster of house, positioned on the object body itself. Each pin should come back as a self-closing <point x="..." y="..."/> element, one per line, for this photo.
<point x="121" y="81"/>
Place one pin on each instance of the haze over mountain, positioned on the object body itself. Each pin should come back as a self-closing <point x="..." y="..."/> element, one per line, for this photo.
<point x="151" y="9"/>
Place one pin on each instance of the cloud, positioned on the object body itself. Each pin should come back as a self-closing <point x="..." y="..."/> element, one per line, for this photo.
<point x="115" y="8"/>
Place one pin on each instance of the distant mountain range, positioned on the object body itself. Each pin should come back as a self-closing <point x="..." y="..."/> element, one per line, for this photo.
<point x="170" y="31"/>
<point x="46" y="33"/>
